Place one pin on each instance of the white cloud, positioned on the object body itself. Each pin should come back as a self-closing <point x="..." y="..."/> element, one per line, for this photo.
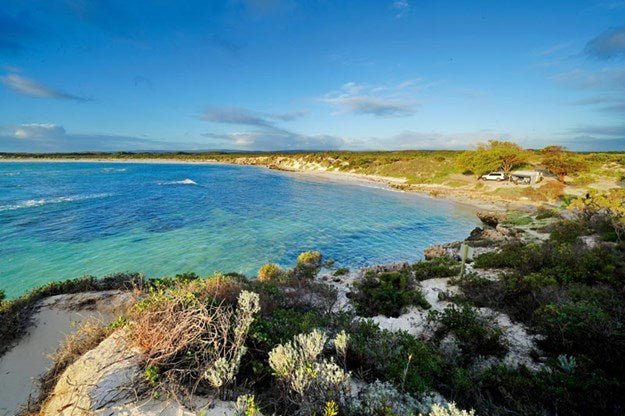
<point x="277" y="139"/>
<point x="401" y="7"/>
<point x="27" y="86"/>
<point x="378" y="100"/>
<point x="29" y="131"/>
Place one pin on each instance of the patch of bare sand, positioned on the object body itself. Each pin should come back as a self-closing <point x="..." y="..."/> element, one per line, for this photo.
<point x="56" y="317"/>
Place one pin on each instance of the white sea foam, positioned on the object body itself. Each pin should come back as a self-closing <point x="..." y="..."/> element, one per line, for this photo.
<point x="114" y="169"/>
<point x="45" y="201"/>
<point x="186" y="181"/>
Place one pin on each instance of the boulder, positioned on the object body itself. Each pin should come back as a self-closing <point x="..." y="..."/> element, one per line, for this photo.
<point x="108" y="381"/>
<point x="435" y="251"/>
<point x="490" y="218"/>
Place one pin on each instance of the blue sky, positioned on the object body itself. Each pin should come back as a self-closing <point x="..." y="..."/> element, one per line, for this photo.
<point x="79" y="75"/>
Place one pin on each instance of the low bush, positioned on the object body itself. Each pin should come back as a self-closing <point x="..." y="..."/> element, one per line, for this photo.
<point x="191" y="337"/>
<point x="271" y="273"/>
<point x="308" y="264"/>
<point x="566" y="231"/>
<point x="397" y="357"/>
<point x="437" y="267"/>
<point x="387" y="293"/>
<point x="341" y="271"/>
<point x="309" y="381"/>
<point x="544" y="213"/>
<point x="476" y="334"/>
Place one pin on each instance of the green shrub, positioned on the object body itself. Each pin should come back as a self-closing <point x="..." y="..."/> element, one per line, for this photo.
<point x="396" y="357"/>
<point x="437" y="267"/>
<point x="507" y="257"/>
<point x="341" y="271"/>
<point x="566" y="231"/>
<point x="501" y="390"/>
<point x="476" y="334"/>
<point x="387" y="293"/>
<point x="544" y="213"/>
<point x="283" y="324"/>
<point x="308" y="264"/>
<point x="271" y="273"/>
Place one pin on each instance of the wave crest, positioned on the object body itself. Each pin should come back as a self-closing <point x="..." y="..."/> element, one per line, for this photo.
<point x="31" y="203"/>
<point x="186" y="181"/>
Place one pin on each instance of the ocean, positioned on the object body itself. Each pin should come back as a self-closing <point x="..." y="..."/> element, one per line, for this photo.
<point x="65" y="220"/>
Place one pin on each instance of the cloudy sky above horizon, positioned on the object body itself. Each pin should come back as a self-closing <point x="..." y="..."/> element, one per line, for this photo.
<point x="79" y="75"/>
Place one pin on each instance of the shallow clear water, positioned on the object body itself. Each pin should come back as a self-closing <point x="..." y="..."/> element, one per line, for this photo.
<point x="64" y="220"/>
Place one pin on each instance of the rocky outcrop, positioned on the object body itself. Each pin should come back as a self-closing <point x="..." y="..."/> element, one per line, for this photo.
<point x="108" y="381"/>
<point x="490" y="218"/>
<point x="441" y="250"/>
<point x="104" y="377"/>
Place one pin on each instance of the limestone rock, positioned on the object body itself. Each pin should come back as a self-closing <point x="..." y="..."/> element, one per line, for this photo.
<point x="490" y="218"/>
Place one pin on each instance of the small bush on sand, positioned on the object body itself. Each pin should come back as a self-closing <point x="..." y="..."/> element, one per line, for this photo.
<point x="387" y="293"/>
<point x="437" y="267"/>
<point x="397" y="357"/>
<point x="476" y="334"/>
<point x="382" y="398"/>
<point x="271" y="273"/>
<point x="341" y="271"/>
<point x="308" y="380"/>
<point x="449" y="410"/>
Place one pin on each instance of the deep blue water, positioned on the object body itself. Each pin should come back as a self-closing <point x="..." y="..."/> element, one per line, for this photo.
<point x="64" y="220"/>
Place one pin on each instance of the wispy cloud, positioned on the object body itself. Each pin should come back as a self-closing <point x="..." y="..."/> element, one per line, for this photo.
<point x="608" y="45"/>
<point x="50" y="137"/>
<point x="27" y="86"/>
<point x="245" y="117"/>
<point x="278" y="139"/>
<point x="235" y="115"/>
<point x="401" y="7"/>
<point x="264" y="134"/>
<point x="605" y="78"/>
<point x="607" y="104"/>
<point x="613" y="130"/>
<point x="378" y="100"/>
<point x="595" y="137"/>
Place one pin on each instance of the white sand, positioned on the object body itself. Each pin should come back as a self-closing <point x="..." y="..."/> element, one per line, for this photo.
<point x="55" y="319"/>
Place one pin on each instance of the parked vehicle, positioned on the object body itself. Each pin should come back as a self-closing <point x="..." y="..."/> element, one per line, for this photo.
<point x="494" y="176"/>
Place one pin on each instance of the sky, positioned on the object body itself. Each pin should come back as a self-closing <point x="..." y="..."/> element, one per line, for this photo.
<point x="86" y="75"/>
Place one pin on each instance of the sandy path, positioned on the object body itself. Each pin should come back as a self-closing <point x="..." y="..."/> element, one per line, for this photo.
<point x="57" y="316"/>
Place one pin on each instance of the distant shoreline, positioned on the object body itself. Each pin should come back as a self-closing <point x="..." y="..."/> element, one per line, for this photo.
<point x="382" y="182"/>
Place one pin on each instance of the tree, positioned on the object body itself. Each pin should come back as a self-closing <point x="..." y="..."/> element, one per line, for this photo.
<point x="610" y="203"/>
<point x="494" y="155"/>
<point x="560" y="162"/>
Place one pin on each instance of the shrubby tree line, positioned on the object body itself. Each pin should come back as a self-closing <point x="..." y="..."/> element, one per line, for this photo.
<point x="506" y="156"/>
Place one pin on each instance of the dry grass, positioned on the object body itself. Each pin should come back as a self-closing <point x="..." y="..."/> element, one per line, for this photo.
<point x="184" y="331"/>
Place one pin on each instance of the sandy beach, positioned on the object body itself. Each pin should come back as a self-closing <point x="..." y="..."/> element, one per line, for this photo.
<point x="473" y="200"/>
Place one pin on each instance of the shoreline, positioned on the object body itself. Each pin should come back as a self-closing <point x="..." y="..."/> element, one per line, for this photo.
<point x="383" y="182"/>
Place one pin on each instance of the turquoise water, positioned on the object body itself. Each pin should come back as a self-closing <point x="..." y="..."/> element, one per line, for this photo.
<point x="64" y="220"/>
